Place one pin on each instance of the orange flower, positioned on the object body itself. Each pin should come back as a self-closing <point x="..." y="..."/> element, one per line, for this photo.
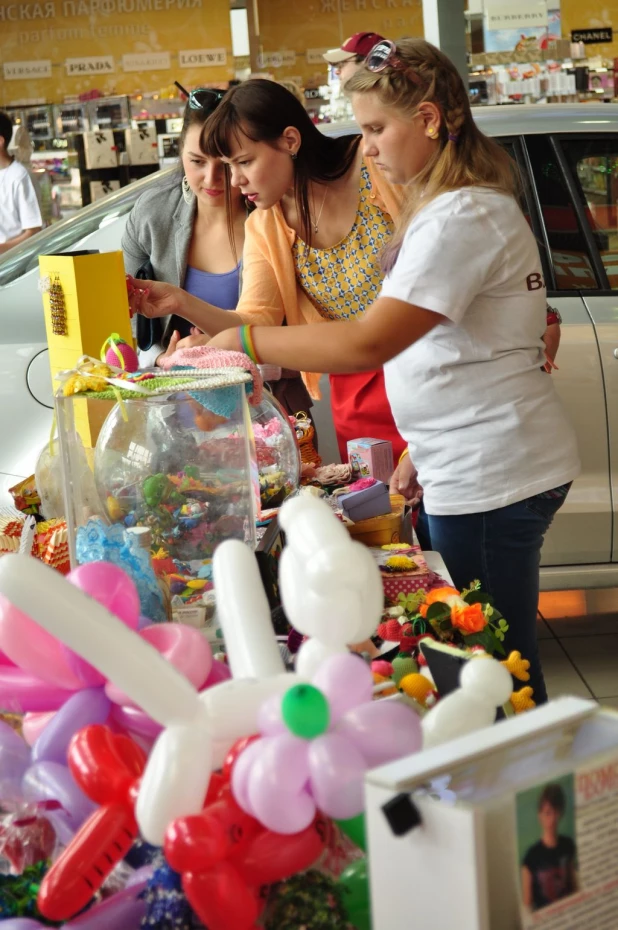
<point x="438" y="595"/>
<point x="469" y="619"/>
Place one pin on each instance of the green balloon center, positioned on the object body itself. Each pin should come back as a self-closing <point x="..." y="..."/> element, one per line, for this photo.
<point x="305" y="711"/>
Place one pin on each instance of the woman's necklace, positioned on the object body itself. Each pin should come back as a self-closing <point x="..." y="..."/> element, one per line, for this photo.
<point x="316" y="224"/>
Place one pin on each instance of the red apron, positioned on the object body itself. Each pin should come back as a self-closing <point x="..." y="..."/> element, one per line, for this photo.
<point x="361" y="409"/>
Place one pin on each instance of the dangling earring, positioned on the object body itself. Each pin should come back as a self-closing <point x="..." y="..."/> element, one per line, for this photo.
<point x="293" y="155"/>
<point x="187" y="193"/>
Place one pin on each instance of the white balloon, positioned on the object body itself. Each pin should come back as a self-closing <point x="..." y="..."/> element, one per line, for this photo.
<point x="244" y="614"/>
<point x="484" y="685"/>
<point x="311" y="655"/>
<point x="81" y="623"/>
<point x="176" y="777"/>
<point x="487" y="677"/>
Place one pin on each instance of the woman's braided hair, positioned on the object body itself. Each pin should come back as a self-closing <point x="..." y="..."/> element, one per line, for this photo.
<point x="463" y="155"/>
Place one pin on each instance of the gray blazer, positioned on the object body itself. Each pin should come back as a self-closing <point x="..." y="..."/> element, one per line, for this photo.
<point x="159" y="230"/>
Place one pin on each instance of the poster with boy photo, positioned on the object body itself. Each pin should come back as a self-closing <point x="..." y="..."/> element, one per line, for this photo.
<point x="567" y="849"/>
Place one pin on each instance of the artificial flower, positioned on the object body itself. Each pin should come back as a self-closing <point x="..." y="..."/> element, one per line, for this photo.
<point x="469" y="619"/>
<point x="445" y="595"/>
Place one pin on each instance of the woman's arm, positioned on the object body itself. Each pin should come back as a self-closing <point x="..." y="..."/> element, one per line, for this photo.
<point x="156" y="298"/>
<point x="388" y="327"/>
<point x="526" y="886"/>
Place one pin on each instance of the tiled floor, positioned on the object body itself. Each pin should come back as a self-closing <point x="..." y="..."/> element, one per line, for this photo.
<point x="578" y="633"/>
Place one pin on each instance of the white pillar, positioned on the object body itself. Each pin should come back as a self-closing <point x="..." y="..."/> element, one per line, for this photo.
<point x="445" y="26"/>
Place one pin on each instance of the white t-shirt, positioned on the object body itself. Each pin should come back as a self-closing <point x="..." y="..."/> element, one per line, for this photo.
<point x="484" y="424"/>
<point x="19" y="208"/>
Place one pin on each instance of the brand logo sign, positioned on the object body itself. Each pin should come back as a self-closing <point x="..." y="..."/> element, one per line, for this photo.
<point x="314" y="56"/>
<point x="147" y="61"/>
<point x="101" y="64"/>
<point x="523" y="15"/>
<point x="283" y="59"/>
<point x="202" y="57"/>
<point x="20" y="70"/>
<point x="593" y="36"/>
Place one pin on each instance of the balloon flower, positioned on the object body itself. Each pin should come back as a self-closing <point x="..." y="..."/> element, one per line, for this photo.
<point x="317" y="742"/>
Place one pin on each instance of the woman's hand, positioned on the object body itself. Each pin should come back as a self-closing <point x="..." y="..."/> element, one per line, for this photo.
<point x="154" y="298"/>
<point x="405" y="482"/>
<point x="551" y="338"/>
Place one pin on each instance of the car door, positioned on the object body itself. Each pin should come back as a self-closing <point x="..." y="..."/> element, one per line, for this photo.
<point x="582" y="530"/>
<point x="590" y="164"/>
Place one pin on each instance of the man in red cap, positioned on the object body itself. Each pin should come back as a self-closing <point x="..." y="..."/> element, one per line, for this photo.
<point x="351" y="54"/>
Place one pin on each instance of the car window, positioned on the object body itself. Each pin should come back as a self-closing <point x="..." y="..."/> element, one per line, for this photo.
<point x="64" y="236"/>
<point x="570" y="255"/>
<point x="594" y="162"/>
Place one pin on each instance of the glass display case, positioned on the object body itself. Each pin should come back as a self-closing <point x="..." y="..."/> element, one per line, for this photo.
<point x="278" y="455"/>
<point x="39" y="121"/>
<point x="109" y="113"/>
<point x="70" y="117"/>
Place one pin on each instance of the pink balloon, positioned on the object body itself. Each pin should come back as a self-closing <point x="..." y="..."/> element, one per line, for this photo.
<point x="270" y="722"/>
<point x="110" y="586"/>
<point x="186" y="648"/>
<point x="21" y="692"/>
<point x="33" y="649"/>
<point x="219" y="672"/>
<point x="241" y="772"/>
<point x="337" y="776"/>
<point x="346" y="680"/>
<point x="34" y="724"/>
<point x="382" y="731"/>
<point x="4" y="660"/>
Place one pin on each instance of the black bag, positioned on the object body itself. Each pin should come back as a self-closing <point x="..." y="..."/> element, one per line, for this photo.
<point x="149" y="332"/>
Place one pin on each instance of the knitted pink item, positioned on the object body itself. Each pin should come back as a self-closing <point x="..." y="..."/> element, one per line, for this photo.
<point x="361" y="484"/>
<point x="210" y="357"/>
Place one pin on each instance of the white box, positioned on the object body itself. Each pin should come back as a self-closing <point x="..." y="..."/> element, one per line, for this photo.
<point x="141" y="146"/>
<point x="99" y="189"/>
<point x="460" y="868"/>
<point x="99" y="149"/>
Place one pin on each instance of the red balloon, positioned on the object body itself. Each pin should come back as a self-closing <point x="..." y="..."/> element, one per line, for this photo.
<point x="98" y="762"/>
<point x="272" y="857"/>
<point x="197" y="843"/>
<point x="235" y="750"/>
<point x="215" y="785"/>
<point x="221" y="899"/>
<point x="102" y="841"/>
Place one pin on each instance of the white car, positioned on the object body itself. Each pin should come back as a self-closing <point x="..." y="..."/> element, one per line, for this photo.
<point x="568" y="157"/>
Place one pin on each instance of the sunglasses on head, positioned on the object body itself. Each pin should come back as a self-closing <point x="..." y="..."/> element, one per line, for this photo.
<point x="202" y="98"/>
<point x="384" y="55"/>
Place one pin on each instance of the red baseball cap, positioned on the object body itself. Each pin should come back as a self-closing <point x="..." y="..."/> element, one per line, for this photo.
<point x="360" y="43"/>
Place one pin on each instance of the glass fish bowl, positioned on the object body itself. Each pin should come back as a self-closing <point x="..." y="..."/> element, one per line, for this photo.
<point x="277" y="452"/>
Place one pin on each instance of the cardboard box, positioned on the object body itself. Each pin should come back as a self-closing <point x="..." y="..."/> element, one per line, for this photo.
<point x="99" y="189"/>
<point x="141" y="146"/>
<point x="372" y="457"/>
<point x="373" y="501"/>
<point x="100" y="149"/>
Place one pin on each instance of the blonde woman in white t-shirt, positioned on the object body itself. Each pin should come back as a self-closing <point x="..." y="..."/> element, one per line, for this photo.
<point x="458" y="327"/>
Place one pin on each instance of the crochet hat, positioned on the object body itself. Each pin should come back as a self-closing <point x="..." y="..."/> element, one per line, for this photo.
<point x="360" y="43"/>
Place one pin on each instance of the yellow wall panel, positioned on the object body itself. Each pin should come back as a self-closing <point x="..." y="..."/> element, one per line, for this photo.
<point x="298" y="25"/>
<point x="59" y="29"/>
<point x="591" y="15"/>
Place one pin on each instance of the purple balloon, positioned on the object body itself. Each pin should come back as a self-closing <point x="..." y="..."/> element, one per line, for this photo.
<point x="241" y="772"/>
<point x="382" y="731"/>
<point x="135" y="721"/>
<point x="346" y="681"/>
<point x="123" y="911"/>
<point x="50" y="781"/>
<point x="276" y="785"/>
<point x="337" y="776"/>
<point x="83" y="709"/>
<point x="14" y="760"/>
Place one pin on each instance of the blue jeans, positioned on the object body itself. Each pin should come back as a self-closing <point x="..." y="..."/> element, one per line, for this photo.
<point x="502" y="548"/>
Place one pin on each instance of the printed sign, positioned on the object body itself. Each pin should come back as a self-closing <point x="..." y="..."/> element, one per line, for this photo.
<point x="567" y="851"/>
<point x="593" y="36"/>
<point x="202" y="57"/>
<point x="96" y="64"/>
<point x="21" y="70"/>
<point x="524" y="16"/>
<point x="282" y="59"/>
<point x="147" y="61"/>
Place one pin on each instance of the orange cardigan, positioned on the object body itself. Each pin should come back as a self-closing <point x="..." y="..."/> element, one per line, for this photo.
<point x="270" y="289"/>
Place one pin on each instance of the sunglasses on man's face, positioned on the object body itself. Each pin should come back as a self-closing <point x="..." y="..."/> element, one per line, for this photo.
<point x="202" y="98"/>
<point x="384" y="55"/>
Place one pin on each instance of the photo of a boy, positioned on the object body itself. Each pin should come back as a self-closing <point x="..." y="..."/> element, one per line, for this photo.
<point x="549" y="870"/>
